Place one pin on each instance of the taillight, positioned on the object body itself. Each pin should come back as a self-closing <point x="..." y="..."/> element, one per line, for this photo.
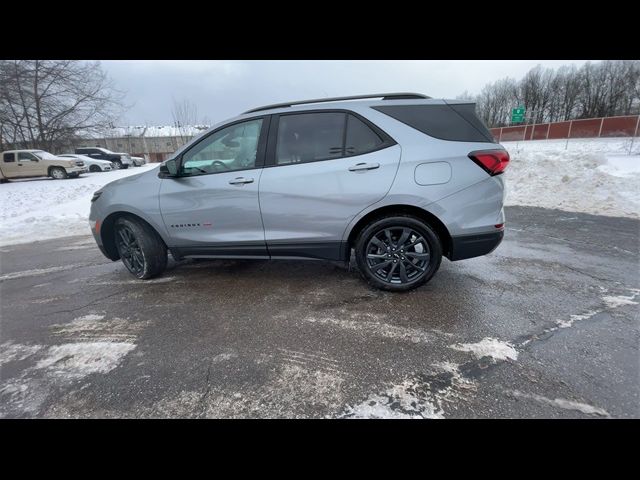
<point x="493" y="162"/>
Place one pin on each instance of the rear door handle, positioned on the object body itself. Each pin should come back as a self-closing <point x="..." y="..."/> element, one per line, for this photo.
<point x="363" y="166"/>
<point x="240" y="181"/>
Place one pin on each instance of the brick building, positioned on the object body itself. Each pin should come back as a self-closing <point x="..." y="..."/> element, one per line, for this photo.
<point x="155" y="144"/>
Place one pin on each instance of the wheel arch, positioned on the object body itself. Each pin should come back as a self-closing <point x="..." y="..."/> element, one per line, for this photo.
<point x="429" y="218"/>
<point x="51" y="167"/>
<point x="107" y="232"/>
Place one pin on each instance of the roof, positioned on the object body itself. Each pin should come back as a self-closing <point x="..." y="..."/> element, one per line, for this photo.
<point x="24" y="150"/>
<point x="384" y="96"/>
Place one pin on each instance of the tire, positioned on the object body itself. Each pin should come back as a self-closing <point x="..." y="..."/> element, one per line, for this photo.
<point x="403" y="266"/>
<point x="58" y="173"/>
<point x="118" y="164"/>
<point x="95" y="168"/>
<point x="141" y="249"/>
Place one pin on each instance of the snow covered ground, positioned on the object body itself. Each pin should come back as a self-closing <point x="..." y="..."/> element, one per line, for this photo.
<point x="595" y="176"/>
<point x="592" y="175"/>
<point x="42" y="208"/>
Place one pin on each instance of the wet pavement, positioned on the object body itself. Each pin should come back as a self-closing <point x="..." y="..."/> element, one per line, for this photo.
<point x="545" y="326"/>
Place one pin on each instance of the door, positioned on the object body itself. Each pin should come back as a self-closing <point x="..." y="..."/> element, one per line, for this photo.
<point x="212" y="208"/>
<point x="29" y="165"/>
<point x="9" y="165"/>
<point x="324" y="167"/>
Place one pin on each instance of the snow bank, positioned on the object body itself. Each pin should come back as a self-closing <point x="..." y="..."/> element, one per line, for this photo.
<point x="42" y="208"/>
<point x="595" y="176"/>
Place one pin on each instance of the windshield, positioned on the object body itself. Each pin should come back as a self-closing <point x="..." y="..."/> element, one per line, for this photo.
<point x="44" y="155"/>
<point x="104" y="150"/>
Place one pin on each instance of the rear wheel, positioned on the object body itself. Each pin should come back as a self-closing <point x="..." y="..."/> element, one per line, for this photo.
<point x="398" y="253"/>
<point x="141" y="249"/>
<point x="58" y="173"/>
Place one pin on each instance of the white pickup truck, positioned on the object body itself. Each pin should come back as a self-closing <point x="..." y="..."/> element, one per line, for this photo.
<point x="38" y="163"/>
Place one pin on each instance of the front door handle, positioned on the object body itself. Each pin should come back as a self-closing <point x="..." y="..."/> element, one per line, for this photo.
<point x="363" y="166"/>
<point x="240" y="181"/>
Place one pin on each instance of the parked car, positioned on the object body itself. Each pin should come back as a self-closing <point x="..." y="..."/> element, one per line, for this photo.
<point x="401" y="179"/>
<point x="93" y="164"/>
<point x="138" y="161"/>
<point x="38" y="163"/>
<point x="120" y="160"/>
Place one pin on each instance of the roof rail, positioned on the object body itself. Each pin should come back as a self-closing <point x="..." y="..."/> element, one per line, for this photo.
<point x="384" y="96"/>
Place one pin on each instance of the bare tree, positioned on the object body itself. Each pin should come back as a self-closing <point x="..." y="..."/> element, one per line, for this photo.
<point x="45" y="103"/>
<point x="185" y="116"/>
<point x="602" y="89"/>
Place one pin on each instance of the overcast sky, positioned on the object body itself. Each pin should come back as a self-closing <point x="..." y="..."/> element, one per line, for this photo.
<point x="223" y="89"/>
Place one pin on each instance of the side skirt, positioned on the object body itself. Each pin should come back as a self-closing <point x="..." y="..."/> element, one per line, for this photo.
<point x="334" y="251"/>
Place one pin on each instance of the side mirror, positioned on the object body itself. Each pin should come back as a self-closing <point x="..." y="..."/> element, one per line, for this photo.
<point x="169" y="168"/>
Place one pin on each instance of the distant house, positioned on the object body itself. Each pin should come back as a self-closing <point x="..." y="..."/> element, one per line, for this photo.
<point x="155" y="144"/>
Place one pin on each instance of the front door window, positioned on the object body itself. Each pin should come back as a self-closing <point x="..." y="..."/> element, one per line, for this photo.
<point x="230" y="149"/>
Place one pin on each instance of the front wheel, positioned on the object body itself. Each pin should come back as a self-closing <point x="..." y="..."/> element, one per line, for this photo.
<point x="95" y="168"/>
<point x="141" y="249"/>
<point x="118" y="164"/>
<point x="58" y="173"/>
<point x="398" y="253"/>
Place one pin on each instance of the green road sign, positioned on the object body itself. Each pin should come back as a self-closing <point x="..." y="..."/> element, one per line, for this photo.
<point x="517" y="115"/>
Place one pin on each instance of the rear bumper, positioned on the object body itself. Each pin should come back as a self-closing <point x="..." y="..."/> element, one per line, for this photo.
<point x="470" y="246"/>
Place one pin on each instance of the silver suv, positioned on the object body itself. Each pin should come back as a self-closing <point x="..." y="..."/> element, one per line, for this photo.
<point x="401" y="179"/>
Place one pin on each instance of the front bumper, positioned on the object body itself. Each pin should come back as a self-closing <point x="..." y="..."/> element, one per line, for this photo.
<point x="77" y="170"/>
<point x="475" y="245"/>
<point x="97" y="237"/>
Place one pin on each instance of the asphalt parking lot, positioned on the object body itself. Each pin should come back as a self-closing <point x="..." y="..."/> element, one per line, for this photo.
<point x="545" y="326"/>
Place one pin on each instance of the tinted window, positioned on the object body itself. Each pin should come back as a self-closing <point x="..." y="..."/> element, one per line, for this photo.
<point x="440" y="121"/>
<point x="360" y="138"/>
<point x="25" y="156"/>
<point x="9" y="157"/>
<point x="310" y="136"/>
<point x="232" y="148"/>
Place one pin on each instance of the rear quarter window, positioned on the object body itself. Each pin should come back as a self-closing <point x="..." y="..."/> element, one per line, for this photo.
<point x="360" y="138"/>
<point x="447" y="122"/>
<point x="9" y="157"/>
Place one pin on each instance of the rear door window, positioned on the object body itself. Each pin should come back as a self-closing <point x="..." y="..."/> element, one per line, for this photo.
<point x="309" y="137"/>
